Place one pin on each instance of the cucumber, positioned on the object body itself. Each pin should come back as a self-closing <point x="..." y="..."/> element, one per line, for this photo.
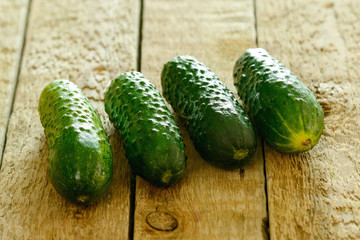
<point x="284" y="111"/>
<point x="80" y="156"/>
<point x="221" y="131"/>
<point x="151" y="137"/>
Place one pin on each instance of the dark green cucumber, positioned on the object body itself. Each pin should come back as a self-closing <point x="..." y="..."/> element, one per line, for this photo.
<point x="80" y="156"/>
<point x="217" y="124"/>
<point x="284" y="111"/>
<point x="152" y="140"/>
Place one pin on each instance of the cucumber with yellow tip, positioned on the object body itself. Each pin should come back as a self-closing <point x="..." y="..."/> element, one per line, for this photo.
<point x="284" y="111"/>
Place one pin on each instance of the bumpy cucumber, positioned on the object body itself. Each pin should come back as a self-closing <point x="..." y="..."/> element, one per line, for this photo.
<point x="285" y="112"/>
<point x="80" y="156"/>
<point x="217" y="124"/>
<point x="151" y="137"/>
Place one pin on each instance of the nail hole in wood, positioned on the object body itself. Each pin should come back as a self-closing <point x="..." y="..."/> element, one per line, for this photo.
<point x="242" y="173"/>
<point x="78" y="214"/>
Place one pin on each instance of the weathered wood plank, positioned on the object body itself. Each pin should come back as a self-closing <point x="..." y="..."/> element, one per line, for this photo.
<point x="87" y="42"/>
<point x="316" y="195"/>
<point x="207" y="203"/>
<point x="12" y="29"/>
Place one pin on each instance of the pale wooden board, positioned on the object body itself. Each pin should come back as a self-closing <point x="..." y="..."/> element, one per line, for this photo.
<point x="12" y="28"/>
<point x="207" y="203"/>
<point x="316" y="195"/>
<point x="87" y="42"/>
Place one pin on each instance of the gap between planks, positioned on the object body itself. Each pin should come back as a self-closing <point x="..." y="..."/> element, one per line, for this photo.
<point x="132" y="174"/>
<point x="256" y="29"/>
<point x="13" y="94"/>
<point x="266" y="221"/>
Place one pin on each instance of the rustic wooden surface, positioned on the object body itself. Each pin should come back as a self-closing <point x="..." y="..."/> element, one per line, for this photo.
<point x="314" y="195"/>
<point x="208" y="203"/>
<point x="12" y="29"/>
<point x="87" y="42"/>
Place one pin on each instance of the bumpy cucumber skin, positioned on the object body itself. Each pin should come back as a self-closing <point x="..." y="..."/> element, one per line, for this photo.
<point x="284" y="111"/>
<point x="152" y="140"/>
<point x="217" y="124"/>
<point x="80" y="156"/>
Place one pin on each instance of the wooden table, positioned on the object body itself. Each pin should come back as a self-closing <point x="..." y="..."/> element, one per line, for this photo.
<point x="314" y="195"/>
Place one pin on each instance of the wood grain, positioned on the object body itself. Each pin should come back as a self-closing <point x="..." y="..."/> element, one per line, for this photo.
<point x="316" y="195"/>
<point x="12" y="28"/>
<point x="207" y="203"/>
<point x="87" y="42"/>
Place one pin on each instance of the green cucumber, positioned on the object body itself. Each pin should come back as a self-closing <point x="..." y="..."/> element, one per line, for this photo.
<point x="151" y="137"/>
<point x="284" y="111"/>
<point x="221" y="131"/>
<point x="80" y="156"/>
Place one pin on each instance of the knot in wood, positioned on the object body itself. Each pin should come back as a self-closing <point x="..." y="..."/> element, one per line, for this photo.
<point x="161" y="221"/>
